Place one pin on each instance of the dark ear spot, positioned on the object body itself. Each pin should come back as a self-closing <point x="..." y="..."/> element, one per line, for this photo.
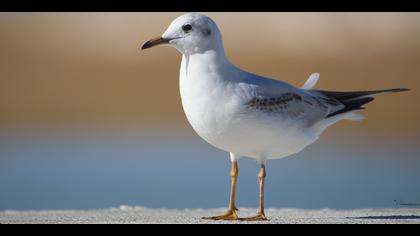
<point x="207" y="32"/>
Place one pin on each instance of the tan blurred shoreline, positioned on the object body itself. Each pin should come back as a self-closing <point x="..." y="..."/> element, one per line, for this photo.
<point x="65" y="68"/>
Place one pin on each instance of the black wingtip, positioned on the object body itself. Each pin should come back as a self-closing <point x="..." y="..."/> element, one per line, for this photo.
<point x="355" y="100"/>
<point x="397" y="90"/>
<point x="353" y="105"/>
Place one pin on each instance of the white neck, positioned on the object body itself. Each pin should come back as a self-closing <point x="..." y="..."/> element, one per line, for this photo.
<point x="210" y="61"/>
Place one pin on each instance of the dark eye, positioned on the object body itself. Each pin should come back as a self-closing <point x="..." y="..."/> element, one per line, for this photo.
<point x="187" y="28"/>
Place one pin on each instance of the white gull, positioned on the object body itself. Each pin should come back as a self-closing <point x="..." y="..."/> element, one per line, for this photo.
<point x="246" y="114"/>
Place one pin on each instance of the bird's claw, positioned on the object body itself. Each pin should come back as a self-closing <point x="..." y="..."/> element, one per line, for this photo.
<point x="258" y="217"/>
<point x="229" y="215"/>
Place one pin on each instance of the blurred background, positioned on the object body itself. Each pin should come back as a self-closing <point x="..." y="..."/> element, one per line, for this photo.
<point x="88" y="120"/>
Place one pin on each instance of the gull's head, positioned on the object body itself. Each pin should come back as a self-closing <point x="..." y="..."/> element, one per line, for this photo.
<point x="190" y="33"/>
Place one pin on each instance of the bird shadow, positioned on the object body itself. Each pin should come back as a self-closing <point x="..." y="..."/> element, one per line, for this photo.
<point x="390" y="217"/>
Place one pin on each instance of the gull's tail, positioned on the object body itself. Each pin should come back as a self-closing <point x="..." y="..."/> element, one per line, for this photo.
<point x="350" y="101"/>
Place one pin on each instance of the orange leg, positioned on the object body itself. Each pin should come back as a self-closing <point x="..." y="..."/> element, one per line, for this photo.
<point x="260" y="215"/>
<point x="231" y="212"/>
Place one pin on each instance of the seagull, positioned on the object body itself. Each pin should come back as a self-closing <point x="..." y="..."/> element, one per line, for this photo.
<point x="246" y="114"/>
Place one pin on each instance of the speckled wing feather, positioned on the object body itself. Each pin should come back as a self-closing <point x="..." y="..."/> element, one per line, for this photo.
<point x="293" y="105"/>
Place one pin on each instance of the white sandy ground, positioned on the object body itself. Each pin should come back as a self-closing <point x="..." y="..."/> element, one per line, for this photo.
<point x="141" y="215"/>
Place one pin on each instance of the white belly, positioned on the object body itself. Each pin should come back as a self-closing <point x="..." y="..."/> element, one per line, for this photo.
<point x="217" y="115"/>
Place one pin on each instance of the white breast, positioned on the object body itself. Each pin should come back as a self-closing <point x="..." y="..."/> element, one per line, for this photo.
<point x="214" y="108"/>
<point x="205" y="101"/>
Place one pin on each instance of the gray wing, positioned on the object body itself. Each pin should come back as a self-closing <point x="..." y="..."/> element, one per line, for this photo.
<point x="278" y="98"/>
<point x="296" y="105"/>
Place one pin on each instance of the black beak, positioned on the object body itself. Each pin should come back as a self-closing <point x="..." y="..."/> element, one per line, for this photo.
<point x="155" y="42"/>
